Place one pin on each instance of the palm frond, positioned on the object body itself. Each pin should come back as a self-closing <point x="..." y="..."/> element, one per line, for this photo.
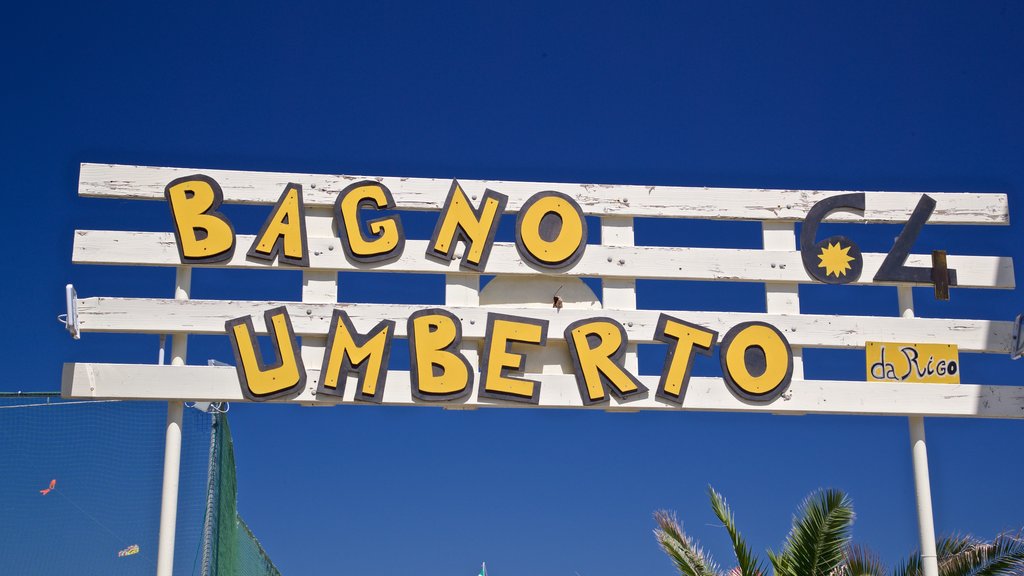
<point x="778" y="563"/>
<point x="909" y="567"/>
<point x="685" y="553"/>
<point x="747" y="563"/>
<point x="969" y="556"/>
<point x="861" y="562"/>
<point x="816" y="546"/>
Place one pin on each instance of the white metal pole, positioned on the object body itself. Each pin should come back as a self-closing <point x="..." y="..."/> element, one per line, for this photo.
<point x="919" y="453"/>
<point x="172" y="444"/>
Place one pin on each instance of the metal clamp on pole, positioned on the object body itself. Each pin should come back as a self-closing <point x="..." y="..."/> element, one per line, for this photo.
<point x="70" y="320"/>
<point x="1017" y="343"/>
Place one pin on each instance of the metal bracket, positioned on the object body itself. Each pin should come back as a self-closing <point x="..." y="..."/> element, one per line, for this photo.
<point x="1017" y="343"/>
<point x="941" y="276"/>
<point x="71" y="318"/>
<point x="211" y="407"/>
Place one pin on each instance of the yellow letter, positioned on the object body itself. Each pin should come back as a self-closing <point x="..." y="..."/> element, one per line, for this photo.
<point x="386" y="239"/>
<point x="439" y="370"/>
<point x="497" y="359"/>
<point x="348" y="352"/>
<point x="259" y="381"/>
<point x="551" y="231"/>
<point x="475" y="227"/>
<point x="284" y="233"/>
<point x="203" y="234"/>
<point x="598" y="348"/>
<point x="757" y="362"/>
<point x="684" y="340"/>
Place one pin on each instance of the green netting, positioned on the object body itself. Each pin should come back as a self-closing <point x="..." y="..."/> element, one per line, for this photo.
<point x="106" y="459"/>
<point x="233" y="550"/>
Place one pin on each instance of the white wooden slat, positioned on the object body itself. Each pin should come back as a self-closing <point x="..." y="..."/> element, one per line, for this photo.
<point x="657" y="262"/>
<point x="147" y="183"/>
<point x="219" y="383"/>
<point x="162" y="316"/>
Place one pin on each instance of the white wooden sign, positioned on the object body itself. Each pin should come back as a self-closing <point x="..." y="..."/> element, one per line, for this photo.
<point x="535" y="336"/>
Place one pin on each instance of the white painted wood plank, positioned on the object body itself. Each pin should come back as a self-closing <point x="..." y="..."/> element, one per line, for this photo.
<point x="147" y="183"/>
<point x="220" y="383"/>
<point x="163" y="316"/>
<point x="657" y="262"/>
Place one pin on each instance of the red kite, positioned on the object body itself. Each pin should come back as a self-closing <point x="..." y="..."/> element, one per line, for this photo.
<point x="53" y="484"/>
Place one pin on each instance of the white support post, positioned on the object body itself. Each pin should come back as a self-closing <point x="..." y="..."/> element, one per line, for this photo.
<point x="620" y="293"/>
<point x="461" y="290"/>
<point x="172" y="444"/>
<point x="919" y="454"/>
<point x="464" y="290"/>
<point x="318" y="287"/>
<point x="783" y="297"/>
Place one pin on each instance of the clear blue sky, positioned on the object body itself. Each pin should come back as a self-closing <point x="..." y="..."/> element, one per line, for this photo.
<point x="923" y="96"/>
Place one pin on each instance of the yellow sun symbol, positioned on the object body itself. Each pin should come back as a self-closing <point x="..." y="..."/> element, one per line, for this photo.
<point x="835" y="260"/>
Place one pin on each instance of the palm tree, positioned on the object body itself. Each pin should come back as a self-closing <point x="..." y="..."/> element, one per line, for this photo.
<point x="819" y="545"/>
<point x="816" y="545"/>
<point x="969" y="556"/>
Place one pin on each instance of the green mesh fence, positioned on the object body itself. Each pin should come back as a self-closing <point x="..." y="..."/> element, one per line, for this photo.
<point x="232" y="550"/>
<point x="80" y="485"/>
